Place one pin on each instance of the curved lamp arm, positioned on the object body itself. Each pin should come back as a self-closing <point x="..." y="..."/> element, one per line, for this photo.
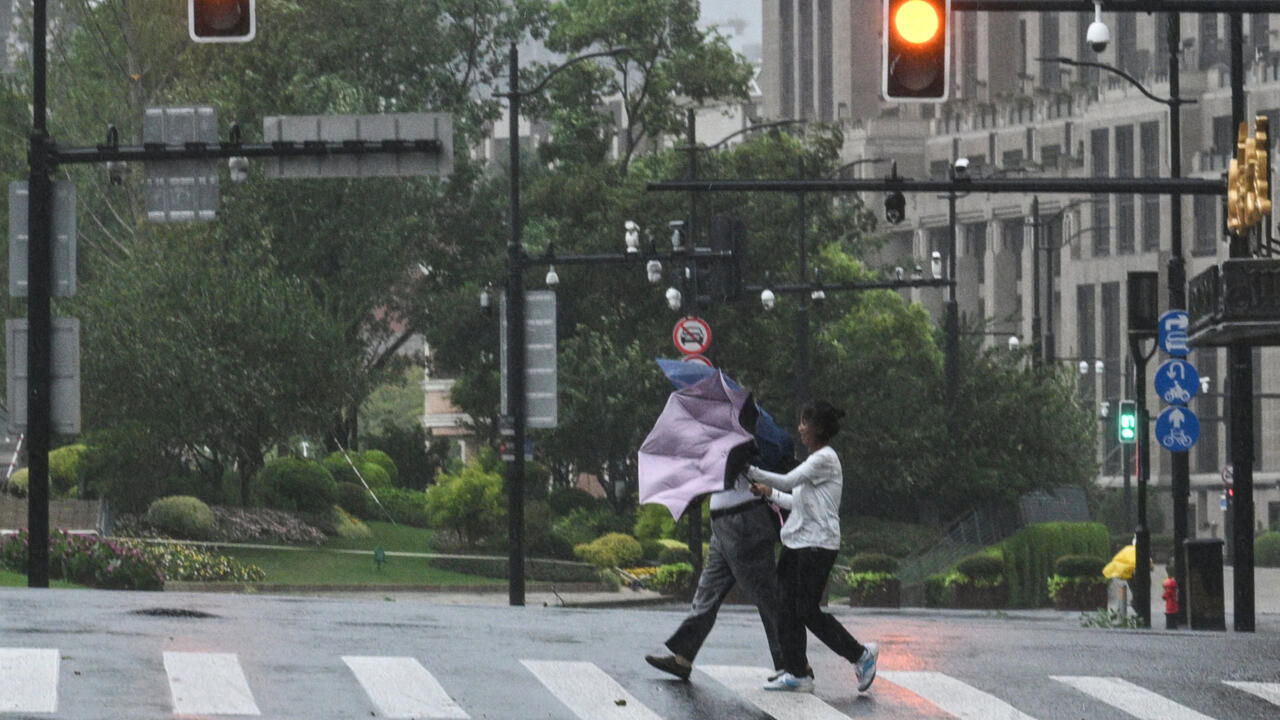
<point x="570" y="63"/>
<point x="1121" y="73"/>
<point x="761" y="126"/>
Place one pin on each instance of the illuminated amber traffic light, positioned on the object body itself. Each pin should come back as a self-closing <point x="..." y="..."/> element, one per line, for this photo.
<point x="917" y="59"/>
<point x="1248" y="191"/>
<point x="221" y="20"/>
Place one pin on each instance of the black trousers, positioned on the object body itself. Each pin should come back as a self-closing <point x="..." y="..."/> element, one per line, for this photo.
<point x="740" y="552"/>
<point x="802" y="577"/>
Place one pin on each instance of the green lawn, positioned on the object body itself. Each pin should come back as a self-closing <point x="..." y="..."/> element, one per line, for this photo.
<point x="398" y="538"/>
<point x="9" y="578"/>
<point x="318" y="567"/>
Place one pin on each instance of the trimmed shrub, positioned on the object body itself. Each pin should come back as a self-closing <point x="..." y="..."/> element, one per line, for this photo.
<point x="1266" y="549"/>
<point x="373" y="473"/>
<point x="873" y="563"/>
<point x="355" y="500"/>
<point x="652" y="522"/>
<point x="612" y="550"/>
<point x="468" y="502"/>
<point x="1030" y="554"/>
<point x="981" y="566"/>
<point x="565" y="500"/>
<point x="66" y="469"/>
<point x="182" y="516"/>
<point x="382" y="460"/>
<point x="18" y="482"/>
<point x="1079" y="566"/>
<point x="651" y="548"/>
<point x="675" y="579"/>
<point x="672" y="554"/>
<point x="298" y="485"/>
<point x="407" y="507"/>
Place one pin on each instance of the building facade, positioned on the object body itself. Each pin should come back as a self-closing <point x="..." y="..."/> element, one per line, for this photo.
<point x="1010" y="114"/>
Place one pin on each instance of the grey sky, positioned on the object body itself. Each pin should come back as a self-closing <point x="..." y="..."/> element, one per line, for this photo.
<point x="725" y="12"/>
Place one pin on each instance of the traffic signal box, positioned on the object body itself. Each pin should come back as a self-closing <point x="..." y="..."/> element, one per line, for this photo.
<point x="1127" y="422"/>
<point x="224" y="21"/>
<point x="1248" y="189"/>
<point x="917" y="57"/>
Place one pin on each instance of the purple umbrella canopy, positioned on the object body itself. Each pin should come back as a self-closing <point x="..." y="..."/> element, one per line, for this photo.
<point x="698" y="444"/>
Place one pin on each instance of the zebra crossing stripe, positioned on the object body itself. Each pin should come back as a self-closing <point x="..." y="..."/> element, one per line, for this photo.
<point x="1137" y="701"/>
<point x="588" y="691"/>
<point x="402" y="688"/>
<point x="28" y="680"/>
<point x="208" y="684"/>
<point x="953" y="696"/>
<point x="1267" y="691"/>
<point x="749" y="681"/>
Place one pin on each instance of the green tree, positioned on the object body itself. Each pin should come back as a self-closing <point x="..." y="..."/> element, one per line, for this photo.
<point x="469" y="503"/>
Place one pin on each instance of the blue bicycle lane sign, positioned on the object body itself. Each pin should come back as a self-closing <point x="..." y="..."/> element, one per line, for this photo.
<point x="1177" y="381"/>
<point x="1177" y="428"/>
<point x="1173" y="332"/>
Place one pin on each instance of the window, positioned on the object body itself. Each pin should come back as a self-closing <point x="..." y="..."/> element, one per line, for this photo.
<point x="975" y="246"/>
<point x="1088" y="76"/>
<point x="1085" y="337"/>
<point x="1125" y="228"/>
<point x="1012" y="233"/>
<point x="1224" y="137"/>
<point x="1050" y="75"/>
<point x="1149" y="144"/>
<point x="1101" y="226"/>
<point x="1111" y="356"/>
<point x="939" y="169"/>
<point x="1011" y="159"/>
<point x="1050" y="154"/>
<point x="1207" y="225"/>
<point x="1127" y="56"/>
<point x="1210" y="50"/>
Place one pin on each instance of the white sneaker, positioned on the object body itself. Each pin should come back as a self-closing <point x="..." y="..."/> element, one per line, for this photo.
<point x="786" y="682"/>
<point x="865" y="668"/>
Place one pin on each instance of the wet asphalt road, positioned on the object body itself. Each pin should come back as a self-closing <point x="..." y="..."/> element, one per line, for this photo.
<point x="290" y="650"/>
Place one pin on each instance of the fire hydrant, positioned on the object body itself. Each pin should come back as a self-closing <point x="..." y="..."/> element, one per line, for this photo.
<point x="1171" y="608"/>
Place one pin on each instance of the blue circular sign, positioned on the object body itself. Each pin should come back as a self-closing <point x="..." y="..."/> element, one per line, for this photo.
<point x="1177" y="381"/>
<point x="1177" y="429"/>
<point x="1173" y="332"/>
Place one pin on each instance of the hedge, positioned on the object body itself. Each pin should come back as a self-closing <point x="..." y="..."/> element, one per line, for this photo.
<point x="873" y="563"/>
<point x="534" y="568"/>
<point x="182" y="516"/>
<point x="1030" y="554"/>
<point x="611" y="550"/>
<point x="1266" y="549"/>
<point x="297" y="485"/>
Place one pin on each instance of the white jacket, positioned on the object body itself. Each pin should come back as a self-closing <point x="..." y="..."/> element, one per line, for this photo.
<point x="812" y="494"/>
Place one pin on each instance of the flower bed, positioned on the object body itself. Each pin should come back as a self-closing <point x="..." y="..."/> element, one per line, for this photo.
<point x="86" y="560"/>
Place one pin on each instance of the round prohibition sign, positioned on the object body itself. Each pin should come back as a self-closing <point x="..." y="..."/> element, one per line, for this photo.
<point x="692" y="335"/>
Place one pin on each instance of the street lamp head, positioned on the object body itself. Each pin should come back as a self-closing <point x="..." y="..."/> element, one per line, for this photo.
<point x="935" y="264"/>
<point x="917" y="273"/>
<point x="1084" y="367"/>
<point x="1104" y="408"/>
<point x="1204" y="383"/>
<point x="238" y="167"/>
<point x="899" y="274"/>
<point x="485" y="300"/>
<point x="553" y="278"/>
<point x="768" y="299"/>
<point x="961" y="167"/>
<point x="653" y="271"/>
<point x="1099" y="367"/>
<point x="1014" y="343"/>
<point x="818" y="296"/>
<point x="673" y="298"/>
<point x="632" y="236"/>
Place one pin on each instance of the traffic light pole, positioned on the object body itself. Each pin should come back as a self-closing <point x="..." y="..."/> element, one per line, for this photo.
<point x="1141" y="582"/>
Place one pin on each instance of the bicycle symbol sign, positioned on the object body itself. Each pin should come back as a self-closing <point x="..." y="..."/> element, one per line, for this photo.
<point x="1177" y="381"/>
<point x="1177" y="428"/>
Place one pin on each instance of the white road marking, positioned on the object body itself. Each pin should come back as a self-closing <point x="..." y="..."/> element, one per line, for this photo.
<point x="208" y="684"/>
<point x="1267" y="691"/>
<point x="1137" y="701"/>
<point x="28" y="680"/>
<point x="588" y="691"/>
<point x="963" y="701"/>
<point x="749" y="683"/>
<point x="402" y="688"/>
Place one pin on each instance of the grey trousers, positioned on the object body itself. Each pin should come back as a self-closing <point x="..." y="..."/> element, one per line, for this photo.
<point x="741" y="552"/>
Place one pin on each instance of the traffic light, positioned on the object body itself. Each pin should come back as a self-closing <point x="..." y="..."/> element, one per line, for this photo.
<point x="895" y="207"/>
<point x="917" y="59"/>
<point x="728" y="233"/>
<point x="221" y="20"/>
<point x="1127" y="422"/>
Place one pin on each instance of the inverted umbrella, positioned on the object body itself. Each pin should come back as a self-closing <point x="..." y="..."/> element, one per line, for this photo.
<point x="699" y="443"/>
<point x="777" y="449"/>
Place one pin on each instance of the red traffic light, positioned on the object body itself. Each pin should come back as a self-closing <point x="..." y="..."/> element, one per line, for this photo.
<point x="917" y="60"/>
<point x="221" y="20"/>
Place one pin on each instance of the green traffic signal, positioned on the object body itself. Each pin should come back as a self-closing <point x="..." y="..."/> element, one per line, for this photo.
<point x="1127" y="422"/>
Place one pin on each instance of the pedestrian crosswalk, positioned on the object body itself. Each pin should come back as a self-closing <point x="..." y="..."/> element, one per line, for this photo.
<point x="212" y="684"/>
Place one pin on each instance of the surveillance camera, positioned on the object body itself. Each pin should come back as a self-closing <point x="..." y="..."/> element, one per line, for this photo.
<point x="116" y="171"/>
<point x="238" y="166"/>
<point x="1098" y="36"/>
<point x="961" y="167"/>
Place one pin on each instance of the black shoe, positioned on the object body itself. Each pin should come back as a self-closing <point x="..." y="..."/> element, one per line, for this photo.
<point x="669" y="664"/>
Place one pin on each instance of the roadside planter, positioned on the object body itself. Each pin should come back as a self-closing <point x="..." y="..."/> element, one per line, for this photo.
<point x="873" y="581"/>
